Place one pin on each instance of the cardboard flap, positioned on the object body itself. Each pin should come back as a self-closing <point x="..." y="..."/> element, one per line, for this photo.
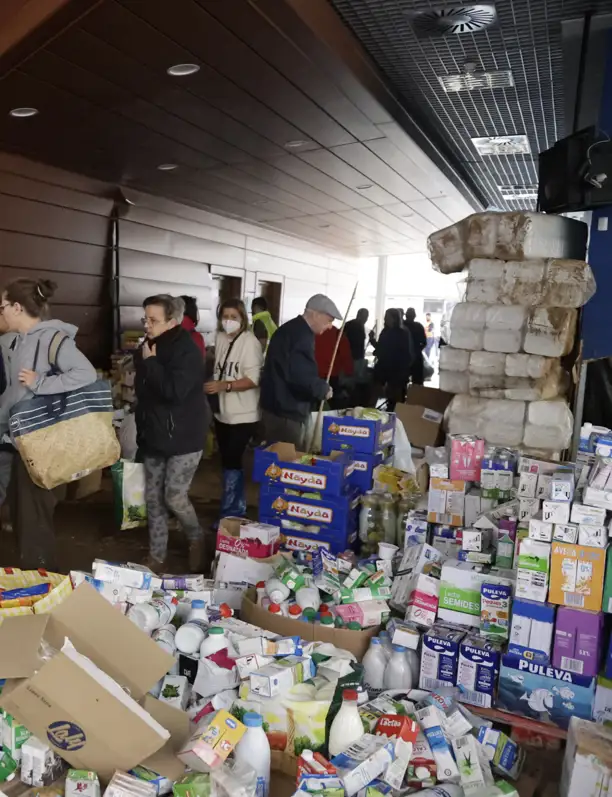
<point x="164" y="761"/>
<point x="286" y="452"/>
<point x="422" y="414"/>
<point x="109" y="639"/>
<point x="429" y="397"/>
<point x="20" y="639"/>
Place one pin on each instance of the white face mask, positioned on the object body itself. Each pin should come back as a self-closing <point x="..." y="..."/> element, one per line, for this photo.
<point x="230" y="326"/>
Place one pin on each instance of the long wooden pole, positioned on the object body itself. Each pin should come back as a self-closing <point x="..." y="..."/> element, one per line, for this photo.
<point x="319" y="420"/>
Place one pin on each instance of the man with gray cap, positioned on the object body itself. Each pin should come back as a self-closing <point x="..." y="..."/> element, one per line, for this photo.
<point x="290" y="382"/>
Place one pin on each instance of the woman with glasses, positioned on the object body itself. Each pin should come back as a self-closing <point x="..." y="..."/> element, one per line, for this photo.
<point x="25" y="309"/>
<point x="170" y="421"/>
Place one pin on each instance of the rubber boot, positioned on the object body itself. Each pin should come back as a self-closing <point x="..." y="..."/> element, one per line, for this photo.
<point x="233" y="502"/>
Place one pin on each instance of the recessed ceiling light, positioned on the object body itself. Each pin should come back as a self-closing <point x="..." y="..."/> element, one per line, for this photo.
<point x="182" y="70"/>
<point x="167" y="167"/>
<point x="471" y="81"/>
<point x="324" y="226"/>
<point x="502" y="145"/>
<point x="23" y="113"/>
<point x="364" y="186"/>
<point x="299" y="142"/>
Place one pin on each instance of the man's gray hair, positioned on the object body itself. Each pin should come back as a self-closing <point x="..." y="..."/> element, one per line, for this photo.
<point x="174" y="306"/>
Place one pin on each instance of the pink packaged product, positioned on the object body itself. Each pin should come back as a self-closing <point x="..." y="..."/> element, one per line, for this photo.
<point x="466" y="453"/>
<point x="578" y="641"/>
<point x="366" y="613"/>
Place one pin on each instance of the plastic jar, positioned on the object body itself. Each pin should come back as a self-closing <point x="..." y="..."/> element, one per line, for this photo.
<point x="214" y="642"/>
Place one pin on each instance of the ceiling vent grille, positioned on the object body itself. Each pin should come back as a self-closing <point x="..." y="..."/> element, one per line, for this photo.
<point x="518" y="191"/>
<point x="453" y="20"/>
<point x="502" y="145"/>
<point x="474" y="81"/>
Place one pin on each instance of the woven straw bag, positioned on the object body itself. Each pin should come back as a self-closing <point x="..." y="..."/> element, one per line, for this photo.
<point x="65" y="436"/>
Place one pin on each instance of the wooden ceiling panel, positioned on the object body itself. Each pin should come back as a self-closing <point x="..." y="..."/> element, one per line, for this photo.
<point x="328" y="162"/>
<point x="250" y="26"/>
<point x="375" y="169"/>
<point x="405" y="167"/>
<point x="213" y="44"/>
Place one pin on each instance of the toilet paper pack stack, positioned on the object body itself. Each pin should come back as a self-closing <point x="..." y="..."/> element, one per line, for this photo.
<point x="525" y="281"/>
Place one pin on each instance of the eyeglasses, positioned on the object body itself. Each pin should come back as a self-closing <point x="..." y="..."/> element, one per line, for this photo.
<point x="152" y="322"/>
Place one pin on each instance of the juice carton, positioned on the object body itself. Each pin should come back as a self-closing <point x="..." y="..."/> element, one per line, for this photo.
<point x="40" y="766"/>
<point x="194" y="784"/>
<point x="577" y="576"/>
<point x="212" y="742"/>
<point x="81" y="783"/>
<point x="578" y="641"/>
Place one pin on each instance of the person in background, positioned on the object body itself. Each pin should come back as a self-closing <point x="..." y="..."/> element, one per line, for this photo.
<point x="419" y="342"/>
<point x="191" y="320"/>
<point x="170" y="421"/>
<point x="263" y="323"/>
<point x="430" y="334"/>
<point x="238" y="364"/>
<point x="325" y="343"/>
<point x="290" y="383"/>
<point x="355" y="332"/>
<point x="394" y="359"/>
<point x="25" y="308"/>
<point x="6" y="448"/>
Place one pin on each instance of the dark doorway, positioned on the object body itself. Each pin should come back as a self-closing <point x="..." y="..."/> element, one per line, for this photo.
<point x="272" y="293"/>
<point x="228" y="287"/>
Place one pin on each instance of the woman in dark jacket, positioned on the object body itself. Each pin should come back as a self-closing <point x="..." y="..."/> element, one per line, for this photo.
<point x="170" y="421"/>
<point x="394" y="358"/>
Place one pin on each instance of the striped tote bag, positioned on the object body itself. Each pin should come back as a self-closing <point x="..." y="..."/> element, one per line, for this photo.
<point x="65" y="436"/>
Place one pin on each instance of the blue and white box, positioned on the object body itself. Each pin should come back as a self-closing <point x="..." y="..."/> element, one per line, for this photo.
<point x="440" y="657"/>
<point x="532" y="629"/>
<point x="544" y="693"/>
<point x="477" y="671"/>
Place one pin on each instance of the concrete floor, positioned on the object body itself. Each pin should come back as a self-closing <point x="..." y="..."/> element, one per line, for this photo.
<point x="86" y="529"/>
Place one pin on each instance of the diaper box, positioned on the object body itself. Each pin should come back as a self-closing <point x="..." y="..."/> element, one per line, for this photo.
<point x="543" y="692"/>
<point x="578" y="641"/>
<point x="577" y="576"/>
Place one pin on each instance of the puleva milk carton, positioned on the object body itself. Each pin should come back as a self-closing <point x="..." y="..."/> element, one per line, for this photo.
<point x="440" y="657"/>
<point x="477" y="671"/>
<point x="460" y="585"/>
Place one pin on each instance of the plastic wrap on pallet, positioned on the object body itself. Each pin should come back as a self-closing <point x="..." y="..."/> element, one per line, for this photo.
<point x="506" y="236"/>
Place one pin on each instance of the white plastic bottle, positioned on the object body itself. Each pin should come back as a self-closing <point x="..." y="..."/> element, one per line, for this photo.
<point x="346" y="727"/>
<point x="385" y="638"/>
<point x="276" y="590"/>
<point x="153" y="614"/>
<point x="214" y="642"/>
<point x="165" y="638"/>
<point x="414" y="660"/>
<point x="397" y="673"/>
<point x="254" y="749"/>
<point x="308" y="598"/>
<point x="190" y="636"/>
<point x="375" y="663"/>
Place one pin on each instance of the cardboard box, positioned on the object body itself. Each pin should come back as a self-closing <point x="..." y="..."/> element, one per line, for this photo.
<point x="277" y="464"/>
<point x="460" y="586"/>
<point x="542" y="692"/>
<point x="422" y="414"/>
<point x="446" y="502"/>
<point x="360" y="435"/>
<point x="587" y="767"/>
<point x="531" y="631"/>
<point x="356" y="642"/>
<point x="229" y="540"/>
<point x="578" y="641"/>
<point x="83" y="488"/>
<point x="362" y="473"/>
<point x="334" y="513"/>
<point x="577" y="576"/>
<point x="72" y="706"/>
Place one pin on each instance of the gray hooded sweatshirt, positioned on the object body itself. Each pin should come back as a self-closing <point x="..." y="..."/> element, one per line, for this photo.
<point x="75" y="369"/>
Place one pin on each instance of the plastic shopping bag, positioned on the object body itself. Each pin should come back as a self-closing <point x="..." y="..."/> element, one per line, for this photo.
<point x="129" y="494"/>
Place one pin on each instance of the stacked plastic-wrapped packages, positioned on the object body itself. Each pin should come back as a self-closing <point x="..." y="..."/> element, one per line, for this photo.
<point x="526" y="277"/>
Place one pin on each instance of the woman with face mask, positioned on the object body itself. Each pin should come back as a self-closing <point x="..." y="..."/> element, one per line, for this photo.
<point x="234" y="396"/>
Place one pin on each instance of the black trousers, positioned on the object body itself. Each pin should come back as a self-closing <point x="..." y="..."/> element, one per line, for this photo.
<point x="31" y="510"/>
<point x="233" y="438"/>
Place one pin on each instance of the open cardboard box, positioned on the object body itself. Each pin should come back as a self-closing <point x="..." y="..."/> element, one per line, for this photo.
<point x="356" y="642"/>
<point x="230" y="541"/>
<point x="422" y="415"/>
<point x="68" y="705"/>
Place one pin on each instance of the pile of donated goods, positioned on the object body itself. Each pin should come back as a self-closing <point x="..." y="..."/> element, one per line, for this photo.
<point x="526" y="277"/>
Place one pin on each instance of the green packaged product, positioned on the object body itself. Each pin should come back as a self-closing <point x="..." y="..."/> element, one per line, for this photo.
<point x="195" y="784"/>
<point x="8" y="766"/>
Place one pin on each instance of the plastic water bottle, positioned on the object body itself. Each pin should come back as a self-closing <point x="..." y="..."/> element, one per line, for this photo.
<point x="346" y="726"/>
<point x="254" y="749"/>
<point x="190" y="636"/>
<point x="165" y="638"/>
<point x="397" y="672"/>
<point x="385" y="638"/>
<point x="414" y="660"/>
<point x="214" y="642"/>
<point x="375" y="663"/>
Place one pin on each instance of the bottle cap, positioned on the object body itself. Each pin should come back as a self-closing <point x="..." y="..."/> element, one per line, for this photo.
<point x="327" y="619"/>
<point x="295" y="610"/>
<point x="174" y="601"/>
<point x="260" y="585"/>
<point x="339" y="622"/>
<point x="310" y="614"/>
<point x="399" y="648"/>
<point x="216" y="630"/>
<point x="375" y="641"/>
<point x="226" y="610"/>
<point x="198" y="605"/>
<point x="350" y="694"/>
<point x="252" y="720"/>
<point x="274" y="608"/>
<point x="323" y="608"/>
<point x="354" y="626"/>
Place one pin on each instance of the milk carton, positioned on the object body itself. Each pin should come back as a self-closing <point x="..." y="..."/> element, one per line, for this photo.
<point x="474" y="769"/>
<point x="363" y="761"/>
<point x="81" y="783"/>
<point x="533" y="570"/>
<point x="212" y="742"/>
<point x="431" y="720"/>
<point x="505" y="756"/>
<point x="578" y="641"/>
<point x="460" y="585"/>
<point x="477" y="671"/>
<point x="40" y="766"/>
<point x="531" y="632"/>
<point x="540" y="530"/>
<point x="440" y="657"/>
<point x="495" y="600"/>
